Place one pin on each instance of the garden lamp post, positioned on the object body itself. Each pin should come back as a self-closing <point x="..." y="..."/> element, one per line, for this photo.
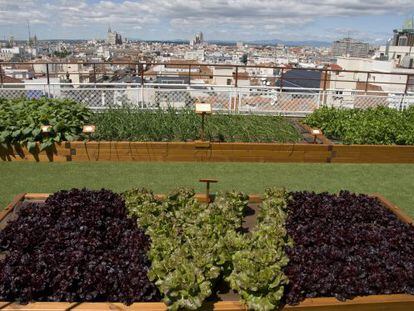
<point x="88" y="129"/>
<point x="316" y="133"/>
<point x="46" y="129"/>
<point x="208" y="181"/>
<point x="203" y="109"/>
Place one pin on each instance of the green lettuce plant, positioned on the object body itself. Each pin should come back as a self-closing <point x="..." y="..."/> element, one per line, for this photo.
<point x="192" y="242"/>
<point x="258" y="266"/>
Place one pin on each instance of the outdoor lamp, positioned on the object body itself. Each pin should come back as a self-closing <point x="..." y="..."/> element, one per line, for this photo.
<point x="315" y="133"/>
<point x="203" y="109"/>
<point x="88" y="129"/>
<point x="208" y="181"/>
<point x="46" y="129"/>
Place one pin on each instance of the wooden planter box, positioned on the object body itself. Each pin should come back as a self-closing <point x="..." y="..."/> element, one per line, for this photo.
<point x="213" y="152"/>
<point x="398" y="302"/>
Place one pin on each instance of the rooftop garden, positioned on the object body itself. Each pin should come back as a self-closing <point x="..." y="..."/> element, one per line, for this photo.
<point x="82" y="245"/>
<point x="311" y="239"/>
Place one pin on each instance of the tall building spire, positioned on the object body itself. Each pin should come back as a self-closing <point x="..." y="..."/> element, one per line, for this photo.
<point x="109" y="28"/>
<point x="28" y="30"/>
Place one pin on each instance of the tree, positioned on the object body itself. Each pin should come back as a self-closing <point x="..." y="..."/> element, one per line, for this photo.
<point x="243" y="59"/>
<point x="62" y="54"/>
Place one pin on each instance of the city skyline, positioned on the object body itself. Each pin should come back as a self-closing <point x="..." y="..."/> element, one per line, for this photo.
<point x="328" y="20"/>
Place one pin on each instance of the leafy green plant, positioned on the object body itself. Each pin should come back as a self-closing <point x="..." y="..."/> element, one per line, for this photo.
<point x="192" y="243"/>
<point x="380" y="125"/>
<point x="21" y="121"/>
<point x="258" y="265"/>
<point x="135" y="124"/>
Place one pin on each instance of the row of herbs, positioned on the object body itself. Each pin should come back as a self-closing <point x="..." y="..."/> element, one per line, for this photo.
<point x="378" y="126"/>
<point x="134" y="124"/>
<point x="21" y="121"/>
<point x="85" y="245"/>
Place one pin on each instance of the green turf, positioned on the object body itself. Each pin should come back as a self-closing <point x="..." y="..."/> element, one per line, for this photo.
<point x="395" y="182"/>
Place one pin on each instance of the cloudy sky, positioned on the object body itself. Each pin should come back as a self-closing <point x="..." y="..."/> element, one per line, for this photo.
<point x="326" y="20"/>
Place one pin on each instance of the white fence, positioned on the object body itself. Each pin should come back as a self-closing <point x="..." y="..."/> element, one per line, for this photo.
<point x="258" y="100"/>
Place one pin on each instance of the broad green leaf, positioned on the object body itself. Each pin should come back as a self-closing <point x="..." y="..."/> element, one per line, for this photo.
<point x="45" y="145"/>
<point x="31" y="146"/>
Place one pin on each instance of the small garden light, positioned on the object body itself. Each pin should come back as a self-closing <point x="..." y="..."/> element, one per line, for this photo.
<point x="208" y="182"/>
<point x="88" y="129"/>
<point x="46" y="129"/>
<point x="203" y="109"/>
<point x="315" y="133"/>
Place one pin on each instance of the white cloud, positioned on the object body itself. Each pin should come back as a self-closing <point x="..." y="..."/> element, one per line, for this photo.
<point x="184" y="16"/>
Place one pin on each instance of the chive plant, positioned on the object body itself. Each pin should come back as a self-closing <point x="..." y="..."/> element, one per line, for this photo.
<point x="131" y="124"/>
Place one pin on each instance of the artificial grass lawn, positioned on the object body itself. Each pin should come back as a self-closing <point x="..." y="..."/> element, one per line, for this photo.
<point x="394" y="181"/>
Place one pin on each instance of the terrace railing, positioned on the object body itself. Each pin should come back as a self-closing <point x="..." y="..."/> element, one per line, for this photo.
<point x="98" y="86"/>
<point x="258" y="100"/>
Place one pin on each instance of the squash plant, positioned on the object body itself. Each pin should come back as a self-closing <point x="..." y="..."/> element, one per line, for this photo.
<point x="21" y="121"/>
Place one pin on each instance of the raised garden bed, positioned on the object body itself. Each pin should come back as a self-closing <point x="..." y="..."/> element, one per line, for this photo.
<point x="51" y="130"/>
<point x="213" y="152"/>
<point x="372" y="302"/>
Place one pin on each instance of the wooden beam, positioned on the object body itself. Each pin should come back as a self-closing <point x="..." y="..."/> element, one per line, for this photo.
<point x="9" y="208"/>
<point x="36" y="196"/>
<point x="395" y="209"/>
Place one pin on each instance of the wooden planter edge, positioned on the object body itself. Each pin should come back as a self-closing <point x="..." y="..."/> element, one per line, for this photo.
<point x="394" y="302"/>
<point x="121" y="151"/>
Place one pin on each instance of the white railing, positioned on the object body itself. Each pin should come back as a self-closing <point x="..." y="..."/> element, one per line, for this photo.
<point x="226" y="99"/>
